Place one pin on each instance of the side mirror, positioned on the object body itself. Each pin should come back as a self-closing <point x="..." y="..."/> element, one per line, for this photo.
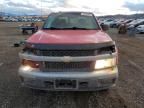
<point x="104" y="27"/>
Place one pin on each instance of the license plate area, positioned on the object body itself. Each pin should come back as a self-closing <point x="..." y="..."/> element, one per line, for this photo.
<point x="65" y="84"/>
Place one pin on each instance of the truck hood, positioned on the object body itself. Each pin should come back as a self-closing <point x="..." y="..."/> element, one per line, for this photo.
<point x="69" y="37"/>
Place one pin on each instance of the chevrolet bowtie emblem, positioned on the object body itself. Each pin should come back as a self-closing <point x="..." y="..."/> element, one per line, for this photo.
<point x="66" y="59"/>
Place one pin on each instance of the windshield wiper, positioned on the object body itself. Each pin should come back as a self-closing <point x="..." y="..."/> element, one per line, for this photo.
<point x="53" y="28"/>
<point x="70" y="28"/>
<point x="78" y="28"/>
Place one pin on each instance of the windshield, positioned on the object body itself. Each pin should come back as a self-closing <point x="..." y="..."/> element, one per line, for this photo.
<point x="71" y="21"/>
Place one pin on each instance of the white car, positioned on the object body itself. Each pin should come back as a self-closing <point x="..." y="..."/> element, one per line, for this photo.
<point x="109" y="22"/>
<point x="136" y="22"/>
<point x="140" y="29"/>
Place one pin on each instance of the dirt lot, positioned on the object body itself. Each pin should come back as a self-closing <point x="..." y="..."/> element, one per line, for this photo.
<point x="129" y="92"/>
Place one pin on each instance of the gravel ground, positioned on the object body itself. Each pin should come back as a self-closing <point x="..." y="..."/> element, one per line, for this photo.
<point x="129" y="92"/>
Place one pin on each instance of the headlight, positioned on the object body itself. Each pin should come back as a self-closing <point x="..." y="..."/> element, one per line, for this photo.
<point x="30" y="63"/>
<point x="26" y="68"/>
<point x="105" y="63"/>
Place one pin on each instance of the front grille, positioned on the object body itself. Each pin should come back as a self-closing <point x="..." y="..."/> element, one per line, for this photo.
<point x="73" y="53"/>
<point x="68" y="67"/>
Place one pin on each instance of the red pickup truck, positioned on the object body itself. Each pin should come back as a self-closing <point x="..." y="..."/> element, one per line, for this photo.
<point x="71" y="52"/>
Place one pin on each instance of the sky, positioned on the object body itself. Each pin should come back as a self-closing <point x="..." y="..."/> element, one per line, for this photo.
<point x="98" y="7"/>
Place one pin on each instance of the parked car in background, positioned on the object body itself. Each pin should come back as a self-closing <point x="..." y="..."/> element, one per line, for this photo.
<point x="127" y="21"/>
<point x="109" y="22"/>
<point x="140" y="29"/>
<point x="114" y="24"/>
<point x="136" y="23"/>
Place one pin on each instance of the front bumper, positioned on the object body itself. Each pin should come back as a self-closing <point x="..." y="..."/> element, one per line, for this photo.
<point x="83" y="81"/>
